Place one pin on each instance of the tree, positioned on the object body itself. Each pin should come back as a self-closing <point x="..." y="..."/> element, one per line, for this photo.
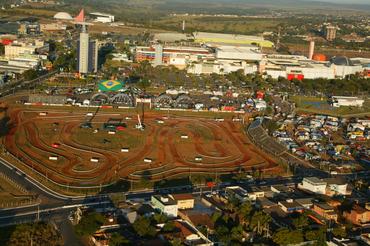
<point x="143" y="227"/>
<point x="237" y="233"/>
<point x="30" y="74"/>
<point x="245" y="210"/>
<point x="27" y="234"/>
<point x="160" y="218"/>
<point x="339" y="232"/>
<point x="301" y="221"/>
<point x="259" y="220"/>
<point x="89" y="224"/>
<point x="169" y="226"/>
<point x="284" y="236"/>
<point x="117" y="239"/>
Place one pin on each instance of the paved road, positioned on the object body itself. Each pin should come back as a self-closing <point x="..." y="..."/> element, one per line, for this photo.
<point x="14" y="86"/>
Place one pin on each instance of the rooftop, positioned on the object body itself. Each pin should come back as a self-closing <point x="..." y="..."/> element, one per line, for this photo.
<point x="324" y="206"/>
<point x="186" y="196"/>
<point x="165" y="200"/>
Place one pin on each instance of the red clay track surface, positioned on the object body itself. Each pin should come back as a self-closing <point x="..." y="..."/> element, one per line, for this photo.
<point x="222" y="146"/>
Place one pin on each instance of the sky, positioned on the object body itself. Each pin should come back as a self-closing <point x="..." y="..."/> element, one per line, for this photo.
<point x="346" y="1"/>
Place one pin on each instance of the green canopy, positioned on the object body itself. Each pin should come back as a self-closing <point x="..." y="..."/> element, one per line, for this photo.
<point x="110" y="85"/>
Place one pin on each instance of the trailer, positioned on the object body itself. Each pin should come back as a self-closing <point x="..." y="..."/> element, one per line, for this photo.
<point x="53" y="158"/>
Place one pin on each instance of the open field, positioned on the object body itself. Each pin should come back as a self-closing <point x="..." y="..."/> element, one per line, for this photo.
<point x="220" y="147"/>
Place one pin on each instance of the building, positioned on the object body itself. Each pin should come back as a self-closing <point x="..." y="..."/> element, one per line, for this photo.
<point x="184" y="201"/>
<point x="52" y="27"/>
<point x="338" y="101"/>
<point x="314" y="185"/>
<point x="29" y="29"/>
<point x="102" y="17"/>
<point x="87" y="54"/>
<point x="237" y="192"/>
<point x="290" y="206"/>
<point x="358" y="215"/>
<point x="325" y="211"/>
<point x="178" y="56"/>
<point x="19" y="48"/>
<point x="63" y="16"/>
<point x="330" y="32"/>
<point x="165" y="205"/>
<point x="337" y="186"/>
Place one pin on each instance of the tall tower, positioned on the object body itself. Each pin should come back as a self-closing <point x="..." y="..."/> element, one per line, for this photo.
<point x="87" y="50"/>
<point x="183" y="26"/>
<point x="330" y="32"/>
<point x="83" y="53"/>
<point x="87" y="54"/>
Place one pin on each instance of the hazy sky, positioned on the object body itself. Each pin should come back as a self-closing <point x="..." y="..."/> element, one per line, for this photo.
<point x="346" y="1"/>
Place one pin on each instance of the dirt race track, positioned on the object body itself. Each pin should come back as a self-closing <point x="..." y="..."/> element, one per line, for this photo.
<point x="172" y="146"/>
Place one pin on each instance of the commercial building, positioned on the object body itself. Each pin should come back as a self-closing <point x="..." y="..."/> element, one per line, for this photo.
<point x="165" y="205"/>
<point x="313" y="184"/>
<point x="87" y="54"/>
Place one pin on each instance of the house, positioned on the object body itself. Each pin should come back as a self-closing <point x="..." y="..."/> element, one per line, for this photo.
<point x="325" y="211"/>
<point x="358" y="215"/>
<point x="165" y="205"/>
<point x="313" y="184"/>
<point x="190" y="235"/>
<point x="290" y="206"/>
<point x="184" y="201"/>
<point x="202" y="219"/>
